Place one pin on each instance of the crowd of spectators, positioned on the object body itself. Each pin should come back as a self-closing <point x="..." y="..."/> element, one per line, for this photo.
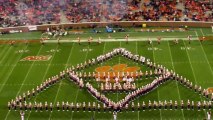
<point x="28" y="12"/>
<point x="199" y="10"/>
<point x="35" y="12"/>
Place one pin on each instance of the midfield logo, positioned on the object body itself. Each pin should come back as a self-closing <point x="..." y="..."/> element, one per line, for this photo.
<point x="120" y="75"/>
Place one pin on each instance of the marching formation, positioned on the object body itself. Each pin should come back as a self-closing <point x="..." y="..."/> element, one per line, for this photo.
<point x="163" y="76"/>
<point x="133" y="106"/>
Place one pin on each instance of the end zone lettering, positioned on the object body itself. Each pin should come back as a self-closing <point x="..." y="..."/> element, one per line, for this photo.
<point x="37" y="58"/>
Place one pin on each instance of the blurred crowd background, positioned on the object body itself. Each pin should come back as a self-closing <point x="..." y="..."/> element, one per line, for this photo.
<point x="37" y="12"/>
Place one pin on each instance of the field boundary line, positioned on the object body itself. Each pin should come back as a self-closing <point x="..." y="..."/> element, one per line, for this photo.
<point x="121" y="39"/>
<point x="79" y="88"/>
<point x="24" y="79"/>
<point x="47" y="69"/>
<point x="175" y="81"/>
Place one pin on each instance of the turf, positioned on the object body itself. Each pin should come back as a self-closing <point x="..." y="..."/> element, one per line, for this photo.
<point x="194" y="61"/>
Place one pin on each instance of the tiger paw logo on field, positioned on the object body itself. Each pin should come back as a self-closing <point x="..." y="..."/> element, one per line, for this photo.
<point x="37" y="58"/>
<point x="118" y="71"/>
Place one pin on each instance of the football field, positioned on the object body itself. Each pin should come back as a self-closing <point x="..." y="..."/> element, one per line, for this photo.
<point x="22" y="69"/>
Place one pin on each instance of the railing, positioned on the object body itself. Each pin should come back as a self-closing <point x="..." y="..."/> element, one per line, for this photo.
<point x="103" y="24"/>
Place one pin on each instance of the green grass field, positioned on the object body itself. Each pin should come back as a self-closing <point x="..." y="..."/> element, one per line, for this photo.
<point x="193" y="61"/>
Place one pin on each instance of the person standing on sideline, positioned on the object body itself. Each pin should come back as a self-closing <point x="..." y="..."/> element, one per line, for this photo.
<point x="127" y="38"/>
<point x="22" y="115"/>
<point x="189" y="38"/>
<point x="115" y="115"/>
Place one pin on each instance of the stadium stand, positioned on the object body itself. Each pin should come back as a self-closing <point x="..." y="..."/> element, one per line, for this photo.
<point x="36" y="12"/>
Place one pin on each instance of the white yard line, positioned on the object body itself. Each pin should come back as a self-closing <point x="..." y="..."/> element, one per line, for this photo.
<point x="60" y="81"/>
<point x="117" y="40"/>
<point x="206" y="59"/>
<point x="119" y="61"/>
<point x="79" y="88"/>
<point x="3" y="51"/>
<point x="192" y="70"/>
<point x="5" y="54"/>
<point x="202" y="32"/>
<point x="196" y="34"/>
<point x="11" y="71"/>
<point x="136" y="47"/>
<point x="43" y="78"/>
<point x="157" y="89"/>
<point x="175" y="81"/>
<point x="24" y="80"/>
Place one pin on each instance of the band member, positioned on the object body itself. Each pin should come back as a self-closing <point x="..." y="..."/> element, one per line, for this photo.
<point x="90" y="40"/>
<point x="176" y="105"/>
<point x="176" y="41"/>
<point x="25" y="106"/>
<point x="170" y="104"/>
<point x="149" y="41"/>
<point x="104" y="107"/>
<point x="155" y="105"/>
<point x="33" y="92"/>
<point x="115" y="115"/>
<point x="204" y="104"/>
<point x="79" y="40"/>
<point x="58" y="106"/>
<point x="77" y="106"/>
<point x="99" y="40"/>
<point x="192" y="106"/>
<point x="42" y="41"/>
<point x="99" y="108"/>
<point x="63" y="105"/>
<point x="188" y="105"/>
<point x="182" y="104"/>
<point x="35" y="106"/>
<point x="72" y="106"/>
<point x="150" y="105"/>
<point x="127" y="38"/>
<point x="12" y="43"/>
<point x="30" y="106"/>
<point x="89" y="106"/>
<point x="9" y="105"/>
<point x="133" y="106"/>
<point x="138" y="106"/>
<point x="51" y="107"/>
<point x="84" y="106"/>
<point x="159" y="40"/>
<point x="22" y="115"/>
<point x="165" y="104"/>
<point x="198" y="105"/>
<point x="160" y="105"/>
<point x="41" y="107"/>
<point x="46" y="106"/>
<point x="126" y="107"/>
<point x="28" y="94"/>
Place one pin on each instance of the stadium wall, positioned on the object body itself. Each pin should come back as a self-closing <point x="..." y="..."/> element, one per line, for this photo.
<point x="103" y="24"/>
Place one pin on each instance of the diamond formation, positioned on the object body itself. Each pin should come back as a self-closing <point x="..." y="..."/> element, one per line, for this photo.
<point x="162" y="75"/>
